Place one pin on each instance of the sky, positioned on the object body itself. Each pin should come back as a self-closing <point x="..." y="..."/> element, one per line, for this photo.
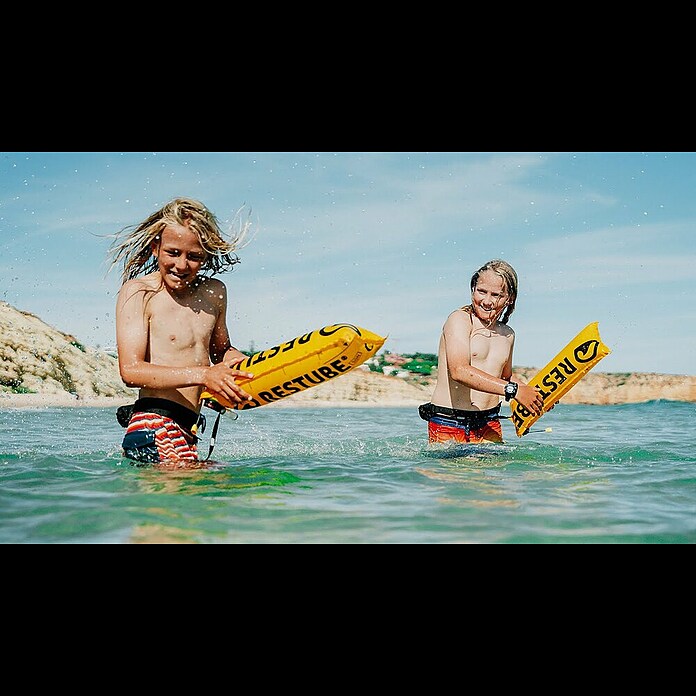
<point x="383" y="240"/>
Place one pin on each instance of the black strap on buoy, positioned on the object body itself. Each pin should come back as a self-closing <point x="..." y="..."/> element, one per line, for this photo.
<point x="216" y="406"/>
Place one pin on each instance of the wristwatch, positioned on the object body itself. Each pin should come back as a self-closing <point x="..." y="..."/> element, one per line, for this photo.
<point x="510" y="390"/>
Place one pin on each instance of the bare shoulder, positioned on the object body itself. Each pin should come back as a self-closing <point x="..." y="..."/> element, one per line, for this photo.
<point x="135" y="286"/>
<point x="214" y="291"/>
<point x="458" y="318"/>
<point x="505" y="330"/>
<point x="213" y="286"/>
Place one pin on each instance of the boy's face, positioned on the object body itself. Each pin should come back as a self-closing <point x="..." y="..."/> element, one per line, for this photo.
<point x="489" y="297"/>
<point x="179" y="256"/>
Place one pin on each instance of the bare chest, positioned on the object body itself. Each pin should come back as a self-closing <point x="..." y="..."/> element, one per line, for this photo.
<point x="180" y="326"/>
<point x="488" y="346"/>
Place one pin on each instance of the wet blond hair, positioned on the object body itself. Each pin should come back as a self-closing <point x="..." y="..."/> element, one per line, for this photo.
<point x="132" y="246"/>
<point x="509" y="277"/>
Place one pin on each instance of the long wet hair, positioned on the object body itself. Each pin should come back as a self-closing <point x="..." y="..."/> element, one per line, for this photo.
<point x="509" y="277"/>
<point x="132" y="246"/>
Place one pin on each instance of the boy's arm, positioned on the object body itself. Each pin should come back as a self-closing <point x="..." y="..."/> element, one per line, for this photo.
<point x="136" y="371"/>
<point x="234" y="356"/>
<point x="457" y="335"/>
<point x="132" y="342"/>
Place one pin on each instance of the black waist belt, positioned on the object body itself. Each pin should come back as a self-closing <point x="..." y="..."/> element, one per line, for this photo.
<point x="185" y="417"/>
<point x="474" y="419"/>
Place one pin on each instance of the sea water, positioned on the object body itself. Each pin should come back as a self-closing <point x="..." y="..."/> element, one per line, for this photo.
<point x="604" y="474"/>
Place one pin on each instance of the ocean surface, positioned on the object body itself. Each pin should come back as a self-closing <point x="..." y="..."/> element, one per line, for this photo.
<point x="604" y="474"/>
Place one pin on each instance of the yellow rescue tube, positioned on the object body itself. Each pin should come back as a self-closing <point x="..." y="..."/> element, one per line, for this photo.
<point x="562" y="374"/>
<point x="302" y="363"/>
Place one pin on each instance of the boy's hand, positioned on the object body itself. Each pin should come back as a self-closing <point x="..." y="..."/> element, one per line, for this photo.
<point x="530" y="398"/>
<point x="220" y="379"/>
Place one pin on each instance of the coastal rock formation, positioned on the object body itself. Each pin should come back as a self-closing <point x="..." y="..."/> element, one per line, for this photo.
<point x="40" y="365"/>
<point x="363" y="388"/>
<point x="35" y="357"/>
<point x="360" y="387"/>
<point x="626" y="387"/>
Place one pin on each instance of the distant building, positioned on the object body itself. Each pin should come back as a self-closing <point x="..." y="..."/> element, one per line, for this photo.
<point x="395" y="359"/>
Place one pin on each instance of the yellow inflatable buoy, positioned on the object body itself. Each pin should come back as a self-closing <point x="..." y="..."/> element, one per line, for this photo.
<point x="301" y="363"/>
<point x="562" y="374"/>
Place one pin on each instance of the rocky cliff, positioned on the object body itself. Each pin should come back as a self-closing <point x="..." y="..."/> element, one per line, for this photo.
<point x="361" y="388"/>
<point x="55" y="367"/>
<point x="35" y="357"/>
<point x="626" y="387"/>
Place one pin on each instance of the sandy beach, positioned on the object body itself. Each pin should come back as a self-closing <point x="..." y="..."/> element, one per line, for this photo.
<point x="362" y="388"/>
<point x="51" y="400"/>
<point x="359" y="388"/>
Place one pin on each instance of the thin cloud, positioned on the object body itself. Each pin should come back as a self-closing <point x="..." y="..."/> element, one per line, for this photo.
<point x="386" y="239"/>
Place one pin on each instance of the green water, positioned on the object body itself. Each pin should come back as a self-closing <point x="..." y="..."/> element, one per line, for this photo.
<point x="605" y="474"/>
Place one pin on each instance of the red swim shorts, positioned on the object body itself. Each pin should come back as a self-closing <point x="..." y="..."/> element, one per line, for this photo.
<point x="451" y="431"/>
<point x="154" y="439"/>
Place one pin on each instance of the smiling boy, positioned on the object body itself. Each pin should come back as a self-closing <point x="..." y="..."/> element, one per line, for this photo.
<point x="171" y="327"/>
<point x="475" y="363"/>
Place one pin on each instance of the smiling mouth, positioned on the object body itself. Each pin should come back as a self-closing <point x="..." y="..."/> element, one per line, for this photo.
<point x="178" y="280"/>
